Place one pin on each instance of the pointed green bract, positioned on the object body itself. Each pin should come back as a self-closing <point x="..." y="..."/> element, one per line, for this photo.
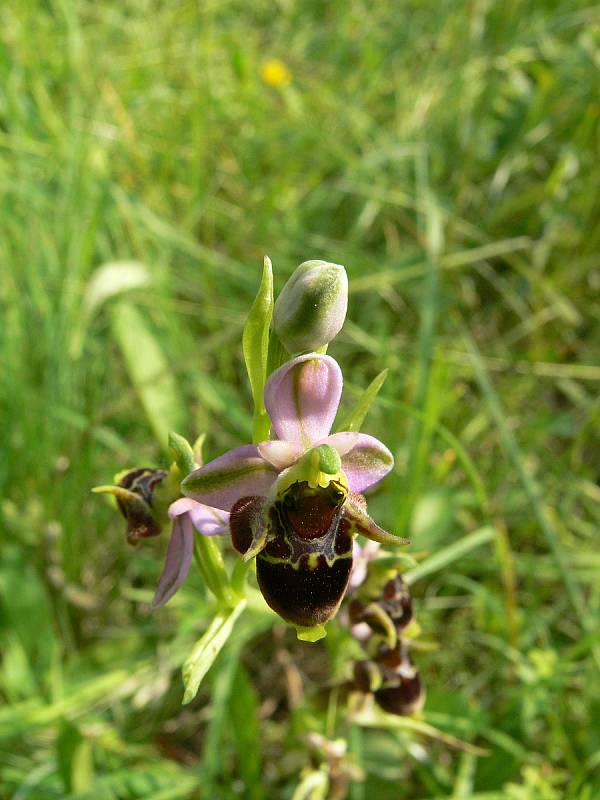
<point x="197" y="449"/>
<point x="255" y="344"/>
<point x="182" y="453"/>
<point x="354" y="420"/>
<point x="208" y="648"/>
<point x="74" y="757"/>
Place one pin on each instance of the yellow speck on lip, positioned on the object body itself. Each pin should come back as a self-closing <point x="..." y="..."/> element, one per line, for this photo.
<point x="275" y="73"/>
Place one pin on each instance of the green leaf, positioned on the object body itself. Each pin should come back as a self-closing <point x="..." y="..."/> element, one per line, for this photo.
<point x="374" y="718"/>
<point x="23" y="598"/>
<point x="255" y="344"/>
<point x="244" y="720"/>
<point x="74" y="756"/>
<point x="109" y="280"/>
<point x="429" y="389"/>
<point x="354" y="420"/>
<point x="219" y="729"/>
<point x="451" y="553"/>
<point x="148" y="370"/>
<point x="112" y="279"/>
<point x="208" y="648"/>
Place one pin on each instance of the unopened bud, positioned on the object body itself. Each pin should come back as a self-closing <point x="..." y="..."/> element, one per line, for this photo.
<point x="311" y="308"/>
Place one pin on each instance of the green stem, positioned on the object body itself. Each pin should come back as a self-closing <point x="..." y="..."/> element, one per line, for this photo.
<point x="210" y="563"/>
<point x="238" y="576"/>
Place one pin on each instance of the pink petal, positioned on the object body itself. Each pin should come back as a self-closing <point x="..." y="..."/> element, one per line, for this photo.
<point x="302" y="398"/>
<point x="179" y="558"/>
<point x="181" y="506"/>
<point x="361" y="631"/>
<point x="238" y="473"/>
<point x="209" y="521"/>
<point x="342" y="442"/>
<point x="366" y="463"/>
<point x="280" y="454"/>
<point x="361" y="555"/>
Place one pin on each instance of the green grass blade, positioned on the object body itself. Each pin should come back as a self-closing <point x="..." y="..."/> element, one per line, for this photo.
<point x="533" y="492"/>
<point x="148" y="370"/>
<point x="354" y="419"/>
<point x="420" y="433"/>
<point x="449" y="554"/>
<point x="453" y="442"/>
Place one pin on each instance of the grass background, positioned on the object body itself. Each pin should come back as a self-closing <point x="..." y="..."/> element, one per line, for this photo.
<point x="447" y="154"/>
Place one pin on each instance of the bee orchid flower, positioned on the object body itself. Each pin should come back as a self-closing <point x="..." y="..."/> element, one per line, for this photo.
<point x="296" y="502"/>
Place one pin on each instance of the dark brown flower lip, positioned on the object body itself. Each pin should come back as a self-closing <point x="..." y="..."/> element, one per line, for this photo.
<point x="140" y="483"/>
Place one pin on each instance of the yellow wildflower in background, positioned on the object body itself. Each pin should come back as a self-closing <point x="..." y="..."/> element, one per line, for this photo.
<point x="275" y="73"/>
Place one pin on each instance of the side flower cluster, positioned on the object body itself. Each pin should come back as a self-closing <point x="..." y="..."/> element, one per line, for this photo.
<point x="380" y="616"/>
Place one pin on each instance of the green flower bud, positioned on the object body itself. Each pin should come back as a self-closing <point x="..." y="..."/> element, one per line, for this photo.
<point x="311" y="308"/>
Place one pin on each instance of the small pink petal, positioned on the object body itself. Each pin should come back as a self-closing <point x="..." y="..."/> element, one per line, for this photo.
<point x="177" y="565"/>
<point x="302" y="398"/>
<point x="280" y="454"/>
<point x="181" y="506"/>
<point x="366" y="463"/>
<point x="342" y="442"/>
<point x="238" y="473"/>
<point x="361" y="631"/>
<point x="209" y="521"/>
<point x="361" y="555"/>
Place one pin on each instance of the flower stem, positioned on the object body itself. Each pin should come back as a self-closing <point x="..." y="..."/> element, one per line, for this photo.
<point x="212" y="568"/>
<point x="238" y="576"/>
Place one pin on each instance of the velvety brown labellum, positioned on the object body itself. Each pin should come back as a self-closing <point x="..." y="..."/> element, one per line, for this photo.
<point x="367" y="676"/>
<point x="304" y="595"/>
<point x="394" y="603"/>
<point x="405" y="699"/>
<point x="140" y="522"/>
<point x="305" y="564"/>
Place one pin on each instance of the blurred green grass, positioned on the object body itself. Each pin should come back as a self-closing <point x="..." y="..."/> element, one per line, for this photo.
<point x="447" y="154"/>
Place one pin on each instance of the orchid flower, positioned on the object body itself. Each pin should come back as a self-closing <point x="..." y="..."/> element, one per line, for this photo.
<point x="296" y="502"/>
